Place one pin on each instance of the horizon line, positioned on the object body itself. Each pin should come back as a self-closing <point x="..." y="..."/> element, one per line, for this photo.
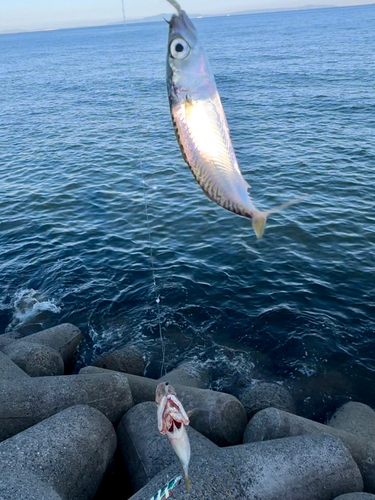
<point x="148" y="19"/>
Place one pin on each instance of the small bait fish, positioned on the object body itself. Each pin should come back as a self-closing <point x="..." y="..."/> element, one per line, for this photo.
<point x="172" y="421"/>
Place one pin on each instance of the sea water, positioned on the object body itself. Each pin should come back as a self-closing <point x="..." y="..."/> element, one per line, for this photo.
<point x="85" y="130"/>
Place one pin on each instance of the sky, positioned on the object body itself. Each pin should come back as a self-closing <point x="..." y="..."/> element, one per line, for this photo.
<point x="25" y="15"/>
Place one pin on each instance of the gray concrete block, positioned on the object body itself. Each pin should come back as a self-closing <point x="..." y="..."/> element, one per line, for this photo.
<point x="356" y="496"/>
<point x="356" y="418"/>
<point x="266" y="395"/>
<point x="34" y="359"/>
<point x="8" y="369"/>
<point x="274" y="424"/>
<point x="145" y="451"/>
<point x="63" y="338"/>
<point x="218" y="416"/>
<point x="187" y="374"/>
<point x="314" y="467"/>
<point x="26" y="401"/>
<point x="126" y="360"/>
<point x="6" y="339"/>
<point x="23" y="485"/>
<point x="69" y="452"/>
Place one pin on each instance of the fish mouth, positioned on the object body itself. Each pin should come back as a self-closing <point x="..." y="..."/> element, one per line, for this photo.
<point x="174" y="427"/>
<point x="180" y="24"/>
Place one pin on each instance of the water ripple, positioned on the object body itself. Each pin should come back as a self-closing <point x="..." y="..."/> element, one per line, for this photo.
<point x="86" y="136"/>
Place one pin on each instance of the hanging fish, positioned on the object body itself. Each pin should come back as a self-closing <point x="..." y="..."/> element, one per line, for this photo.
<point x="172" y="420"/>
<point x="166" y="490"/>
<point x="201" y="126"/>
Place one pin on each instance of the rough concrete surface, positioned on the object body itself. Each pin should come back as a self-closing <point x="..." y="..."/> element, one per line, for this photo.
<point x="34" y="359"/>
<point x="64" y="338"/>
<point x="315" y="467"/>
<point x="127" y="360"/>
<point x="272" y="423"/>
<point x="265" y="395"/>
<point x="356" y="418"/>
<point x="8" y="369"/>
<point x="187" y="374"/>
<point x="69" y="452"/>
<point x="26" y="401"/>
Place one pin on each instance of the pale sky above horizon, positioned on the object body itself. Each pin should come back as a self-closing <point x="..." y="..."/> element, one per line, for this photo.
<point x="24" y="15"/>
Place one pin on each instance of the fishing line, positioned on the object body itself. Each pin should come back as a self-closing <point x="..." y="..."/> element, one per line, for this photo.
<point x="151" y="253"/>
<point x="123" y="11"/>
<point x="157" y="296"/>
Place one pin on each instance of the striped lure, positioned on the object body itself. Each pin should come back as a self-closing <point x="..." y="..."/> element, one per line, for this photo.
<point x="166" y="490"/>
<point x="200" y="124"/>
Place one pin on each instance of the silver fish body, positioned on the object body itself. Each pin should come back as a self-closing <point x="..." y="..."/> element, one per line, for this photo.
<point x="200" y="124"/>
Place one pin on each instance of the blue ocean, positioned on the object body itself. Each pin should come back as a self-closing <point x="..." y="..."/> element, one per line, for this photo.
<point x="102" y="224"/>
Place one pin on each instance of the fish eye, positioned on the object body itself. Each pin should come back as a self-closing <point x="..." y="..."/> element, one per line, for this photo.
<point x="179" y="48"/>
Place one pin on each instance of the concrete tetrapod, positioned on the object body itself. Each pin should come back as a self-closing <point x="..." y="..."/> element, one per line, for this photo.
<point x="34" y="359"/>
<point x="67" y="453"/>
<point x="356" y="496"/>
<point x="8" y="369"/>
<point x="63" y="338"/>
<point x="273" y="424"/>
<point x="356" y="418"/>
<point x="187" y="374"/>
<point x="23" y="485"/>
<point x="264" y="395"/>
<point x="6" y="339"/>
<point x="26" y="401"/>
<point x="218" y="416"/>
<point x="315" y="467"/>
<point x="126" y="360"/>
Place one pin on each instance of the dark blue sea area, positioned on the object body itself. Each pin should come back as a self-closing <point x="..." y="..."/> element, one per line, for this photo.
<point x="100" y="216"/>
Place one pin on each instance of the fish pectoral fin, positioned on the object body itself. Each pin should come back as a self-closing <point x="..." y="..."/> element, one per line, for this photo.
<point x="287" y="204"/>
<point x="192" y="412"/>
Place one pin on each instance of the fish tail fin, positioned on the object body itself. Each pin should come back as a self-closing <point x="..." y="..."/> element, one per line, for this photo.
<point x="187" y="481"/>
<point x="176" y="5"/>
<point x="186" y="472"/>
<point x="259" y="218"/>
